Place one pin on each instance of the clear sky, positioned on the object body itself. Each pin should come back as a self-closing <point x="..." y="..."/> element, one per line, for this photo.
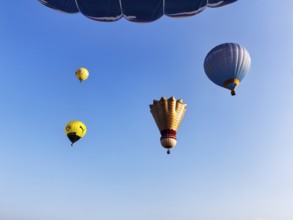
<point x="233" y="159"/>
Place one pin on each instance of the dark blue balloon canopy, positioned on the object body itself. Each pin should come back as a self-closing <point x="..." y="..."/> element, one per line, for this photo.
<point x="133" y="10"/>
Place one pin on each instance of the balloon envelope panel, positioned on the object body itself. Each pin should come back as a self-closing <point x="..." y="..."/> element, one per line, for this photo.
<point x="68" y="6"/>
<point x="109" y="10"/>
<point x="133" y="10"/>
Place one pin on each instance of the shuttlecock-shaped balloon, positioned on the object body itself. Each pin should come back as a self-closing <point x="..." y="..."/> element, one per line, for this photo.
<point x="168" y="114"/>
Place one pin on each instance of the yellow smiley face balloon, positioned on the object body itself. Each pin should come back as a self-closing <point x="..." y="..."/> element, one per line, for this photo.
<point x="75" y="130"/>
<point x="82" y="74"/>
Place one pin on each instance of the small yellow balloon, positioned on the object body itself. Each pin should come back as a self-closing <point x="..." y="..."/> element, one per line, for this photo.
<point x="82" y="74"/>
<point x="75" y="130"/>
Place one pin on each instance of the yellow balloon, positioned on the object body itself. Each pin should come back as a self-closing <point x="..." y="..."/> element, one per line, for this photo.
<point x="75" y="130"/>
<point x="82" y="74"/>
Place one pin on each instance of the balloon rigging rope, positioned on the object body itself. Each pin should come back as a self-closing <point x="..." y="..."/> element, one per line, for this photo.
<point x="120" y="2"/>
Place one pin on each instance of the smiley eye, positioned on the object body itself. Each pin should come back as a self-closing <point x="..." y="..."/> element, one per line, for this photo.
<point x="68" y="128"/>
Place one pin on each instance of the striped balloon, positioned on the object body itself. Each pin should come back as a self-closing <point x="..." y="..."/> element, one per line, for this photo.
<point x="227" y="64"/>
<point x="133" y="10"/>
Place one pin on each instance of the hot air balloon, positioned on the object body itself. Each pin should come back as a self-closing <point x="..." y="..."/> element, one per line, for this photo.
<point x="227" y="64"/>
<point x="133" y="10"/>
<point x="168" y="114"/>
<point x="75" y="130"/>
<point x="82" y="74"/>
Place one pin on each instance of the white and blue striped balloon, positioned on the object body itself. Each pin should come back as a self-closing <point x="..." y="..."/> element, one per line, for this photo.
<point x="227" y="64"/>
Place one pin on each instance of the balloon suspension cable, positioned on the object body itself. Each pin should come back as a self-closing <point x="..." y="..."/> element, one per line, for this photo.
<point x="168" y="151"/>
<point x="71" y="144"/>
<point x="233" y="92"/>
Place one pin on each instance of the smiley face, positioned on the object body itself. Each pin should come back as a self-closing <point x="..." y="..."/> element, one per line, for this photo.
<point x="75" y="127"/>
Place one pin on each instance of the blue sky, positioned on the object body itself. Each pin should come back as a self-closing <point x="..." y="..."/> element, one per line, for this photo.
<point x="233" y="159"/>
